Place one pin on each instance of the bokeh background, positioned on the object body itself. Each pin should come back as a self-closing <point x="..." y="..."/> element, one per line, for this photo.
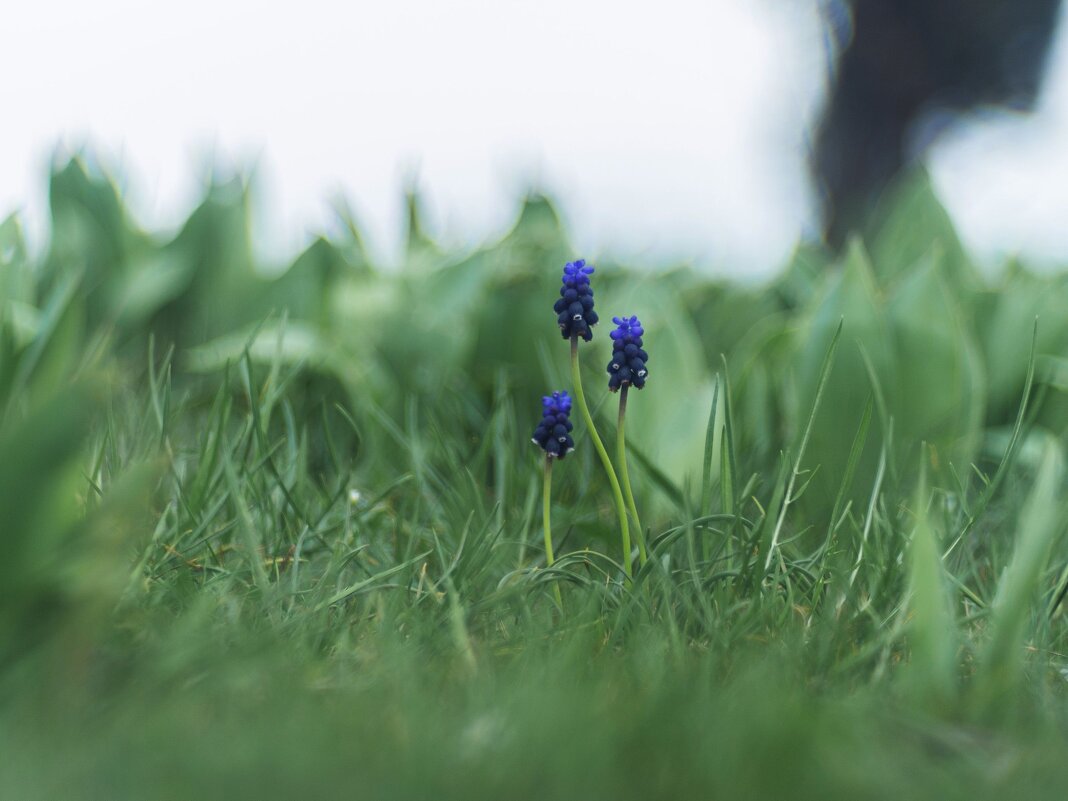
<point x="667" y="136"/>
<point x="275" y="320"/>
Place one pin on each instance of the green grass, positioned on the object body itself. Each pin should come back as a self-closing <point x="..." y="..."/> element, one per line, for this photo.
<point x="283" y="537"/>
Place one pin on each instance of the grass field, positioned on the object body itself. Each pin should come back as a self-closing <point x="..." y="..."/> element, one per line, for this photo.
<point x="282" y="537"/>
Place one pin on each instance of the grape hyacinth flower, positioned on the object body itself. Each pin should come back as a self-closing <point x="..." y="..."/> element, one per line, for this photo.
<point x="625" y="370"/>
<point x="627" y="367"/>
<point x="574" y="309"/>
<point x="553" y="434"/>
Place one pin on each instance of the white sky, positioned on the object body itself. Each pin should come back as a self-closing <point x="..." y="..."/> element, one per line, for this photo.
<point x="1005" y="177"/>
<point x="667" y="130"/>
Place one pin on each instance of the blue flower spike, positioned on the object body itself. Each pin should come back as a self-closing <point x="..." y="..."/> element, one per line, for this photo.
<point x="553" y="434"/>
<point x="574" y="309"/>
<point x="628" y="364"/>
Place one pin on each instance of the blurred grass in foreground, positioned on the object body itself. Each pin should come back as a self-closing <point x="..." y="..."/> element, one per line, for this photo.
<point x="280" y="537"/>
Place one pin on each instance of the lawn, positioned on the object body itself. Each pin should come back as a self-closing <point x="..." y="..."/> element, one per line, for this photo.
<point x="277" y="531"/>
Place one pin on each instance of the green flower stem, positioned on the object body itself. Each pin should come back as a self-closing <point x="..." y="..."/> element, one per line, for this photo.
<point x="617" y="494"/>
<point x="621" y="460"/>
<point x="546" y="506"/>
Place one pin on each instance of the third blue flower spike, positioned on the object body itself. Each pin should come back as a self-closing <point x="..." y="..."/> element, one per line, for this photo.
<point x="553" y="434"/>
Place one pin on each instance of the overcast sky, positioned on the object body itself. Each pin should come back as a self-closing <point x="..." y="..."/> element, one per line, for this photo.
<point x="668" y="130"/>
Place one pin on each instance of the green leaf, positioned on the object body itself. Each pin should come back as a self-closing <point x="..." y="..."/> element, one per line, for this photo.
<point x="939" y="394"/>
<point x="1002" y="662"/>
<point x="933" y="635"/>
<point x="852" y="300"/>
<point x="666" y="418"/>
<point x="40" y="481"/>
<point x="1007" y="328"/>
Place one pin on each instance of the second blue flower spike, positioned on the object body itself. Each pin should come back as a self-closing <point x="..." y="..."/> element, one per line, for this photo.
<point x="627" y="367"/>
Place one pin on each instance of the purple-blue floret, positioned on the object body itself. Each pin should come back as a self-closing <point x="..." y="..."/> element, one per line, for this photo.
<point x="553" y="434"/>
<point x="628" y="364"/>
<point x="574" y="309"/>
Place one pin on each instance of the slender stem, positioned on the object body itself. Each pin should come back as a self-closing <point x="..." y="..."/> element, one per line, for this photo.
<point x="546" y="506"/>
<point x="621" y="460"/>
<point x="617" y="494"/>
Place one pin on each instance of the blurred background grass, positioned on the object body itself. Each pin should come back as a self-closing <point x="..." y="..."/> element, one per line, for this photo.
<point x="276" y="535"/>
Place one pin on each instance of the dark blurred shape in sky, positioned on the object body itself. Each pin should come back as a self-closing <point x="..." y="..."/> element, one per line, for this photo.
<point x="906" y="68"/>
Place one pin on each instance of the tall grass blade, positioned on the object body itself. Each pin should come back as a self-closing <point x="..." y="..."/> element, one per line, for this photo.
<point x="789" y="498"/>
<point x="1002" y="662"/>
<point x="932" y="632"/>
